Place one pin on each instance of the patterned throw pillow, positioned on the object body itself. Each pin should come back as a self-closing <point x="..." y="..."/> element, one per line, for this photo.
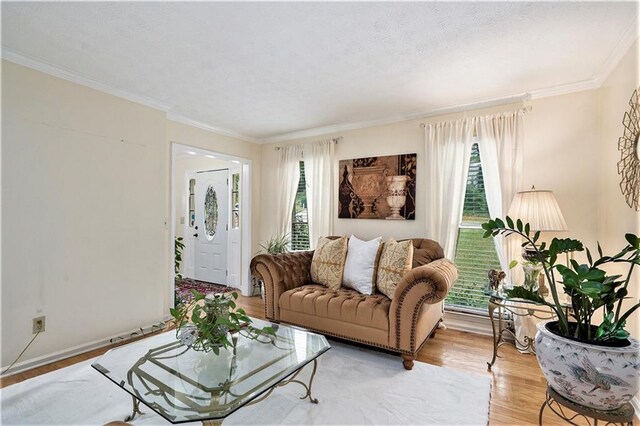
<point x="327" y="265"/>
<point x="395" y="261"/>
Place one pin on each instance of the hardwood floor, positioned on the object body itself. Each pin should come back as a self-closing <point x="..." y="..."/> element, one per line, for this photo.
<point x="518" y="385"/>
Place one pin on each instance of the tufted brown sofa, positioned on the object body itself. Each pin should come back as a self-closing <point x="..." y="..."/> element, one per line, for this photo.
<point x="401" y="324"/>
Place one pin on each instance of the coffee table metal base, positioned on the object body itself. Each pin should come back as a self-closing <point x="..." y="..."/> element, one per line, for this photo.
<point x="217" y="422"/>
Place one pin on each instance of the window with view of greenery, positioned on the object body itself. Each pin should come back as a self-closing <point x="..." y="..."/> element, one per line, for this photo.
<point x="475" y="255"/>
<point x="300" y="222"/>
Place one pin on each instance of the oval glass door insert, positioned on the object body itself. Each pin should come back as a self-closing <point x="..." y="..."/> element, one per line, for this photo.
<point x="210" y="213"/>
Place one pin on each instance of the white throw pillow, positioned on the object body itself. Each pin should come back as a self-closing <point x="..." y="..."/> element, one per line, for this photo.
<point x="360" y="265"/>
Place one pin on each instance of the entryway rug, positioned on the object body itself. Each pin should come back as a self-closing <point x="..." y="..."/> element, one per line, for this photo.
<point x="184" y="286"/>
<point x="354" y="386"/>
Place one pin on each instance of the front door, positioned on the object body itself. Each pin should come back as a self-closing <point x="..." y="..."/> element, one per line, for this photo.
<point x="212" y="217"/>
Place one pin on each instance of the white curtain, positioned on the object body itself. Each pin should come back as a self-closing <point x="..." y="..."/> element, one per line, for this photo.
<point x="500" y="141"/>
<point x="288" y="178"/>
<point x="318" y="169"/>
<point x="447" y="152"/>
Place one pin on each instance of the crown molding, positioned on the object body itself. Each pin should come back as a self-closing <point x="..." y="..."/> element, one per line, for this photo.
<point x="56" y="71"/>
<point x="622" y="47"/>
<point x="318" y="131"/>
<point x="564" y="89"/>
<point x="204" y="126"/>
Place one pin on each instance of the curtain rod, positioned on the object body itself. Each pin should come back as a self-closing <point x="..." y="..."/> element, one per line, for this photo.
<point x="525" y="109"/>
<point x="334" y="140"/>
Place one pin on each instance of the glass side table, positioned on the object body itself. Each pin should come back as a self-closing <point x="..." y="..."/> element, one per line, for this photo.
<point x="501" y="307"/>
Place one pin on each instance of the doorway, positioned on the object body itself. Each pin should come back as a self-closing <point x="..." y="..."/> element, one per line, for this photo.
<point x="212" y="226"/>
<point x="210" y="203"/>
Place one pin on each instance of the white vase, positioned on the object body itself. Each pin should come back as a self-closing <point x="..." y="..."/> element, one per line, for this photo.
<point x="396" y="195"/>
<point x="600" y="377"/>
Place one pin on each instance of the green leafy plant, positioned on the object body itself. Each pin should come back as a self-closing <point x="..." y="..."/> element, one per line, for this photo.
<point x="276" y="244"/>
<point x="588" y="287"/>
<point x="206" y="323"/>
<point x="178" y="247"/>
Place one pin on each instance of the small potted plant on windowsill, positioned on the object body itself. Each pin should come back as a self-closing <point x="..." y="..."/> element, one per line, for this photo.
<point x="593" y="365"/>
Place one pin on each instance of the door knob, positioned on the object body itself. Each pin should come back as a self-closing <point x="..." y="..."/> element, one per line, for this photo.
<point x="195" y="235"/>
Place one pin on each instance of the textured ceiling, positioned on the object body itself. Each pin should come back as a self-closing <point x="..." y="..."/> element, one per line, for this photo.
<point x="265" y="69"/>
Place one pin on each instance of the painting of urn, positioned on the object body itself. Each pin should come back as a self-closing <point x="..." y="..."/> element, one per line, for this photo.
<point x="378" y="188"/>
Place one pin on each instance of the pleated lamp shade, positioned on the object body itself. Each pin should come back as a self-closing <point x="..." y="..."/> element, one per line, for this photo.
<point x="539" y="209"/>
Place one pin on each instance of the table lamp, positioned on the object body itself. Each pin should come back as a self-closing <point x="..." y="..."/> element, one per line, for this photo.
<point x="540" y="209"/>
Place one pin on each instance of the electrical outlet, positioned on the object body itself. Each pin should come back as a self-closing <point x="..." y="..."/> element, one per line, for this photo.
<point x="38" y="324"/>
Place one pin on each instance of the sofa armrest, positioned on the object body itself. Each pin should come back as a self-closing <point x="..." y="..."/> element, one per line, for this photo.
<point x="281" y="272"/>
<point x="428" y="284"/>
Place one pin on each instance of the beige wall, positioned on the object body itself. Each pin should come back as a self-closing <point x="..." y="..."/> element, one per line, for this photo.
<point x="557" y="129"/>
<point x="86" y="210"/>
<point x="615" y="218"/>
<point x="84" y="237"/>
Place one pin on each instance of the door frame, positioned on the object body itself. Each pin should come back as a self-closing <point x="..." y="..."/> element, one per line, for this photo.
<point x="245" y="215"/>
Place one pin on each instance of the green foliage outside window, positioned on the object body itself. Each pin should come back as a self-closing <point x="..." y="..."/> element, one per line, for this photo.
<point x="300" y="217"/>
<point x="474" y="255"/>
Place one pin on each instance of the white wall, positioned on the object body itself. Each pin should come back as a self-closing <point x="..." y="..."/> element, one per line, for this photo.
<point x="86" y="210"/>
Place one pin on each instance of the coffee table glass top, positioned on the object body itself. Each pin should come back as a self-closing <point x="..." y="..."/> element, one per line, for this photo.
<point x="184" y="385"/>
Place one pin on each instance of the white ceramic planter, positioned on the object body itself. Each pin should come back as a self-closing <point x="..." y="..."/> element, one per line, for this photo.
<point x="599" y="377"/>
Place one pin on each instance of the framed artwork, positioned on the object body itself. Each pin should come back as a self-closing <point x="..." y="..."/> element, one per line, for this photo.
<point x="629" y="146"/>
<point x="378" y="188"/>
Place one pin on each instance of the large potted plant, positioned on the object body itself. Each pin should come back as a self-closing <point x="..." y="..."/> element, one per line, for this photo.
<point x="595" y="365"/>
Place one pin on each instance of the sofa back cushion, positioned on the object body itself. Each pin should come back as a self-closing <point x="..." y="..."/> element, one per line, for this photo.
<point x="395" y="261"/>
<point x="327" y="266"/>
<point x="425" y="251"/>
<point x="359" y="268"/>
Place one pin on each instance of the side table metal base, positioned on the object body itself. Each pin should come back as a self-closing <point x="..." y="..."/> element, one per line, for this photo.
<point x="559" y="405"/>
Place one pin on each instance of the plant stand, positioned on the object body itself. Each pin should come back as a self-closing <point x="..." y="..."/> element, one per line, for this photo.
<point x="558" y="404"/>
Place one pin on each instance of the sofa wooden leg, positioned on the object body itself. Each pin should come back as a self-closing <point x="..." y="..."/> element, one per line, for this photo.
<point x="407" y="361"/>
<point x="433" y="333"/>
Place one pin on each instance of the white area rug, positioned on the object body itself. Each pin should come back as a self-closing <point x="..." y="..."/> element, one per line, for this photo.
<point x="354" y="386"/>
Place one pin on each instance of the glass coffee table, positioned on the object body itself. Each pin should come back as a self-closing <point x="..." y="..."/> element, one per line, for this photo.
<point x="183" y="385"/>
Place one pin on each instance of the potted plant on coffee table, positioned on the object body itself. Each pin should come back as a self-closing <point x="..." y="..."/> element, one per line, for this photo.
<point x="210" y="323"/>
<point x="594" y="365"/>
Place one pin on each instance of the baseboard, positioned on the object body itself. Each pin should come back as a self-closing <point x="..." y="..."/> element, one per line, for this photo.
<point x="470" y="323"/>
<point x="80" y="349"/>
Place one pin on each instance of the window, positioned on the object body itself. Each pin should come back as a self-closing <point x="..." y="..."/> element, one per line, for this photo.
<point x="235" y="201"/>
<point x="210" y="213"/>
<point x="474" y="255"/>
<point x="300" y="217"/>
